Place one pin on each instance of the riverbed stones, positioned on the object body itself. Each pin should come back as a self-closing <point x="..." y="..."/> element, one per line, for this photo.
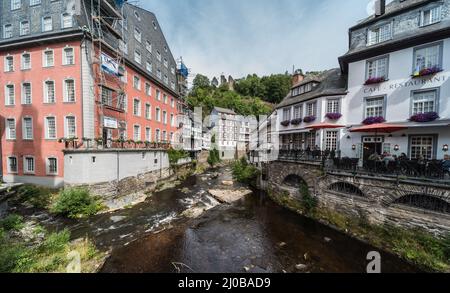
<point x="229" y="196"/>
<point x="227" y="183"/>
<point x="301" y="267"/>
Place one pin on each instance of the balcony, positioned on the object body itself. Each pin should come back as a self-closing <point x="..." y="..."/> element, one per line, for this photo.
<point x="400" y="169"/>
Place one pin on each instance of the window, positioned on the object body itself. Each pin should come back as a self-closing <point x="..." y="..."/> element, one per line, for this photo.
<point x="10" y="95"/>
<point x="26" y="61"/>
<point x="137" y="56"/>
<point x="166" y="79"/>
<point x="427" y="57"/>
<point x="159" y="74"/>
<point x="35" y="2"/>
<point x="148" y="134"/>
<point x="422" y="147"/>
<point x="28" y="165"/>
<point x="333" y="106"/>
<point x="11" y="128"/>
<point x="148" y="89"/>
<point x="164" y="135"/>
<point x="137" y="35"/>
<point x="66" y="21"/>
<point x="311" y="109"/>
<point x="136" y="107"/>
<point x="138" y="17"/>
<point x="149" y="66"/>
<point x="9" y="64"/>
<point x="424" y="102"/>
<point x="70" y="127"/>
<point x="24" y="28"/>
<point x="68" y="56"/>
<point x="379" y="34"/>
<point x="27" y="128"/>
<point x="50" y="128"/>
<point x="123" y="46"/>
<point x="172" y="103"/>
<point x="136" y="133"/>
<point x="287" y="114"/>
<point x="107" y="96"/>
<point x="298" y="111"/>
<point x="148" y="111"/>
<point x="331" y="140"/>
<point x="377" y="68"/>
<point x="52" y="166"/>
<point x="137" y="82"/>
<point x="26" y="93"/>
<point x="164" y="117"/>
<point x="122" y="102"/>
<point x="12" y="165"/>
<point x="374" y="107"/>
<point x="48" y="58"/>
<point x="157" y="135"/>
<point x="430" y="16"/>
<point x="47" y="24"/>
<point x="166" y="63"/>
<point x="158" y="95"/>
<point x="158" y="56"/>
<point x="148" y="46"/>
<point x="123" y="130"/>
<point x="7" y="31"/>
<point x="158" y="114"/>
<point x="172" y="70"/>
<point x="165" y="99"/>
<point x="172" y="120"/>
<point x="16" y="4"/>
<point x="49" y="92"/>
<point x="69" y="91"/>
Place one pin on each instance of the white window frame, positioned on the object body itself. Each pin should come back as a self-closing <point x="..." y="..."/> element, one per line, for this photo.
<point x="138" y="137"/>
<point x="139" y="105"/>
<point x="23" y="92"/>
<point x="148" y="134"/>
<point x="64" y="55"/>
<point x="148" y="111"/>
<point x="66" y="93"/>
<point x="377" y="38"/>
<point x="44" y="30"/>
<point x="149" y="66"/>
<point x="367" y="107"/>
<point x="7" y="67"/>
<point x="9" y="165"/>
<point x="426" y="61"/>
<point x="46" y="96"/>
<point x="333" y="105"/>
<point x="21" y="28"/>
<point x="8" y="96"/>
<point x="24" y="131"/>
<point x="7" y="31"/>
<point x="374" y="66"/>
<point x="66" y="126"/>
<point x="138" y="85"/>
<point x="158" y="114"/>
<point x="16" y="4"/>
<point x="148" y="46"/>
<point x="25" y="165"/>
<point x="148" y="89"/>
<point x="45" y="62"/>
<point x="66" y="17"/>
<point x="22" y="61"/>
<point x="47" y="129"/>
<point x="137" y="34"/>
<point x="420" y="98"/>
<point x="137" y="56"/>
<point x="422" y="146"/>
<point x="35" y="2"/>
<point x="9" y="135"/>
<point x="47" y="166"/>
<point x="430" y="11"/>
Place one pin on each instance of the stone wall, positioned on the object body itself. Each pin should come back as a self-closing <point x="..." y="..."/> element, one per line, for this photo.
<point x="373" y="197"/>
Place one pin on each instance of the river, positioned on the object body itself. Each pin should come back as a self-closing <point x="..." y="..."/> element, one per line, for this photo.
<point x="253" y="235"/>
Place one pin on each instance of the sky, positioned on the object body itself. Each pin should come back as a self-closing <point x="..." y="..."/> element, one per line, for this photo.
<point x="240" y="37"/>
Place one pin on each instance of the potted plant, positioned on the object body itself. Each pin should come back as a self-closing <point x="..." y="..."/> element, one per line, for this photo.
<point x="296" y="121"/>
<point x="309" y="119"/>
<point x="373" y="120"/>
<point x="375" y="80"/>
<point x="333" y="116"/>
<point x="427" y="71"/>
<point x="286" y="123"/>
<point x="424" y="117"/>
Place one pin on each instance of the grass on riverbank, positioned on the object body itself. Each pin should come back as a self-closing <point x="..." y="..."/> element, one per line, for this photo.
<point x="29" y="248"/>
<point x="244" y="172"/>
<point x="419" y="247"/>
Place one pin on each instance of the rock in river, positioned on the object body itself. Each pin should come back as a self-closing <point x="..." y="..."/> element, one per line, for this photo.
<point x="229" y="196"/>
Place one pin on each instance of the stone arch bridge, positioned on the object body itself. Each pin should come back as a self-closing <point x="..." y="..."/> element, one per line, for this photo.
<point x="407" y="203"/>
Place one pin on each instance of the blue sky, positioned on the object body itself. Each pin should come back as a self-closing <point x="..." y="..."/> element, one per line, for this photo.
<point x="238" y="37"/>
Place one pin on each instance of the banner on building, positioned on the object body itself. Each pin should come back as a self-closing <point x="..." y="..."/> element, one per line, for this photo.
<point x="109" y="122"/>
<point x="109" y="64"/>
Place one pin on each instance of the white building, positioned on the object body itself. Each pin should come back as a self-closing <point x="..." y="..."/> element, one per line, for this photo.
<point x="264" y="141"/>
<point x="398" y="67"/>
<point x="224" y="126"/>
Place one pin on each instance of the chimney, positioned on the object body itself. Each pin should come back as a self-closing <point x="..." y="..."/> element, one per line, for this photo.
<point x="380" y="7"/>
<point x="297" y="77"/>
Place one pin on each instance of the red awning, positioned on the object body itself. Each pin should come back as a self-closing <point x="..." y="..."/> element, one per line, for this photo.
<point x="324" y="125"/>
<point x="379" y="128"/>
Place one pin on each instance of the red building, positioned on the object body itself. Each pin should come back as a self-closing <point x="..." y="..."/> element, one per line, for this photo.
<point x="87" y="84"/>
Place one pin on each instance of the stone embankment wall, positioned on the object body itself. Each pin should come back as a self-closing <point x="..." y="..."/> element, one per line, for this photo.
<point x="377" y="199"/>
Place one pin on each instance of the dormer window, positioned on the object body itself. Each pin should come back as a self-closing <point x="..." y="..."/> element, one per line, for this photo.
<point x="430" y="16"/>
<point x="304" y="88"/>
<point x="379" y="34"/>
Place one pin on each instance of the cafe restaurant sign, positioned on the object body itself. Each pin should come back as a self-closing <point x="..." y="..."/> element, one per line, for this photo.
<point x="109" y="122"/>
<point x="410" y="83"/>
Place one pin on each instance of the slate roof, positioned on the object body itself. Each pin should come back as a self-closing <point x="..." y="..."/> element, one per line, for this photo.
<point x="224" y="110"/>
<point x="331" y="83"/>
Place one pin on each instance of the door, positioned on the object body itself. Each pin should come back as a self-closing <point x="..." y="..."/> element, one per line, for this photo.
<point x="107" y="137"/>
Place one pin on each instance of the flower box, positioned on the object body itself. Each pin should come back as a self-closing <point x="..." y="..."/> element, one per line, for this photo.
<point x="333" y="116"/>
<point x="296" y="121"/>
<point x="309" y="119"/>
<point x="286" y="123"/>
<point x="373" y="120"/>
<point x="375" y="80"/>
<point x="427" y="71"/>
<point x="424" y="117"/>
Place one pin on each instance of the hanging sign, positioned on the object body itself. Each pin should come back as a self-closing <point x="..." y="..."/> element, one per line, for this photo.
<point x="109" y="122"/>
<point x="109" y="64"/>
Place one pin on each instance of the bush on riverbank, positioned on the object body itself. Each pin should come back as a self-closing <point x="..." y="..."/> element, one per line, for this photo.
<point x="76" y="203"/>
<point x="244" y="172"/>
<point x="36" y="196"/>
<point x="50" y="254"/>
<point x="428" y="252"/>
<point x="214" y="157"/>
<point x="176" y="155"/>
<point x="309" y="202"/>
<point x="12" y="222"/>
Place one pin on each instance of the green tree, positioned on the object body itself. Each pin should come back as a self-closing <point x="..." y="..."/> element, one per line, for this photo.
<point x="201" y="82"/>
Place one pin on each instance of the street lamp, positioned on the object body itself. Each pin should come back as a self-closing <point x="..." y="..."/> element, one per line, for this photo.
<point x="354" y="147"/>
<point x="396" y="148"/>
<point x="445" y="148"/>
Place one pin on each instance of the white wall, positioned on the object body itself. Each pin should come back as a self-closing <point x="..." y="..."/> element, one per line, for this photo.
<point x="79" y="167"/>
